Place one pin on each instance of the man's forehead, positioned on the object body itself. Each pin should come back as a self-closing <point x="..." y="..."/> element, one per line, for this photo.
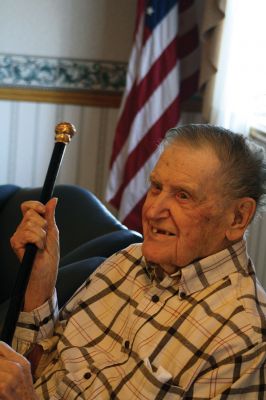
<point x="183" y="155"/>
<point x="175" y="181"/>
<point x="184" y="164"/>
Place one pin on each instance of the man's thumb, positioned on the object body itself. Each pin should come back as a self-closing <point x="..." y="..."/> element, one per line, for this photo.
<point x="50" y="211"/>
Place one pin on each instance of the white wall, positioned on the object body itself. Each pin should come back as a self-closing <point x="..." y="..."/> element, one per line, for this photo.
<point x="27" y="133"/>
<point x="91" y="29"/>
<point x="100" y="30"/>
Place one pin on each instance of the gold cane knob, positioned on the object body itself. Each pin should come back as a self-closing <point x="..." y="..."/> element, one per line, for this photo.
<point x="64" y="132"/>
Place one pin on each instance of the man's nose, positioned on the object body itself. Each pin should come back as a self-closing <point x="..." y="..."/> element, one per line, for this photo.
<point x="159" y="207"/>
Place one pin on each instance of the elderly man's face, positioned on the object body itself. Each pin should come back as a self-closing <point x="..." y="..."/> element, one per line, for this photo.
<point x="185" y="216"/>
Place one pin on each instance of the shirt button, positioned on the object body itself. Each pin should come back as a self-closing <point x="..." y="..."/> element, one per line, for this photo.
<point x="127" y="343"/>
<point x="45" y="320"/>
<point x="155" y="298"/>
<point x="87" y="375"/>
<point x="182" y="295"/>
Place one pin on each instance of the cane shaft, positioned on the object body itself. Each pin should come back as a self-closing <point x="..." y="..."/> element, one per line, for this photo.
<point x="23" y="275"/>
<point x="64" y="132"/>
<point x="56" y="159"/>
<point x="18" y="293"/>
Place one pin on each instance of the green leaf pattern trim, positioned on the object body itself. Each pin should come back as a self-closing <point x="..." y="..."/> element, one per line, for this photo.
<point x="61" y="73"/>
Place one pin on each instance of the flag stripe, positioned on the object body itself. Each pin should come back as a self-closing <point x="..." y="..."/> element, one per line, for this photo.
<point x="187" y="42"/>
<point x="184" y="5"/>
<point x="160" y="39"/>
<point x="141" y="7"/>
<point x="140" y="179"/>
<point x="162" y="72"/>
<point x="162" y="35"/>
<point x="146" y="147"/>
<point x="158" y="102"/>
<point x="187" y="86"/>
<point x="147" y="59"/>
<point x="189" y="64"/>
<point x="132" y="219"/>
<point x="138" y="186"/>
<point x="186" y="20"/>
<point x="140" y="94"/>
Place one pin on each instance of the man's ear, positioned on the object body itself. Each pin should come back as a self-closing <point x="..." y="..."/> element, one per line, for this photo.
<point x="242" y="215"/>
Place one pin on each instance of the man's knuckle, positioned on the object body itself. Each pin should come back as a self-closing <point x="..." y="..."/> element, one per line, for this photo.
<point x="29" y="213"/>
<point x="7" y="384"/>
<point x="28" y="223"/>
<point x="25" y="363"/>
<point x="43" y="234"/>
<point x="43" y="225"/>
<point x="16" y="370"/>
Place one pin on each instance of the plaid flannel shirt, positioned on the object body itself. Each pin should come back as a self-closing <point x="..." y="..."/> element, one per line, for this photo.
<point x="132" y="332"/>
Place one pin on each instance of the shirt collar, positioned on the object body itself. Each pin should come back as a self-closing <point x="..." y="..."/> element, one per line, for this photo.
<point x="205" y="272"/>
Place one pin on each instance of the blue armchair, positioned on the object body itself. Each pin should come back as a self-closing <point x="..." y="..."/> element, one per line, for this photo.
<point x="88" y="234"/>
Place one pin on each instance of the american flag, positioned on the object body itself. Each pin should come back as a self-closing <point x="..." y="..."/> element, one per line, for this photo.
<point x="163" y="71"/>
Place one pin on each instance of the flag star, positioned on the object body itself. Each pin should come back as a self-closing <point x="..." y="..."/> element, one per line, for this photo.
<point x="149" y="11"/>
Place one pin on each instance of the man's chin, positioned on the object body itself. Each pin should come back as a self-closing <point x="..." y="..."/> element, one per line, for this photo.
<point x="151" y="254"/>
<point x="147" y="252"/>
<point x="154" y="258"/>
<point x="154" y="255"/>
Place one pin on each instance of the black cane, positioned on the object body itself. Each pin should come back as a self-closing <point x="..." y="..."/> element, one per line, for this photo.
<point x="63" y="134"/>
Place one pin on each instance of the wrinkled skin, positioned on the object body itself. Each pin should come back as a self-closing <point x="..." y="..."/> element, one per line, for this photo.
<point x="15" y="376"/>
<point x="38" y="226"/>
<point x="186" y="216"/>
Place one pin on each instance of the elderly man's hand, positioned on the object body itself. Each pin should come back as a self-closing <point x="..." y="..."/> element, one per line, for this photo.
<point x="15" y="376"/>
<point x="38" y="227"/>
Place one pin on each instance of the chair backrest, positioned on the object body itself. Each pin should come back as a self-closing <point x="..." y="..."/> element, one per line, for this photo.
<point x="81" y="219"/>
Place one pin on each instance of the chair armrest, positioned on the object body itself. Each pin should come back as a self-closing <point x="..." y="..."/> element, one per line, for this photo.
<point x="103" y="246"/>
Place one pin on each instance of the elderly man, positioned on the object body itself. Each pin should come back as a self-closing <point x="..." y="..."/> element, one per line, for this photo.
<point x="181" y="316"/>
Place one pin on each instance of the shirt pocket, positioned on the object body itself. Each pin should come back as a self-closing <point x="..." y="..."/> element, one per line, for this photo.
<point x="160" y="373"/>
<point x="162" y="379"/>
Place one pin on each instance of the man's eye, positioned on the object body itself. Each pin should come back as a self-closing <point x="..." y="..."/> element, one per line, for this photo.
<point x="155" y="187"/>
<point x="182" y="195"/>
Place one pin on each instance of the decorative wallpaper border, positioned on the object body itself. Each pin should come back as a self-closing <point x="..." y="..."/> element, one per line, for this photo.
<point x="61" y="73"/>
